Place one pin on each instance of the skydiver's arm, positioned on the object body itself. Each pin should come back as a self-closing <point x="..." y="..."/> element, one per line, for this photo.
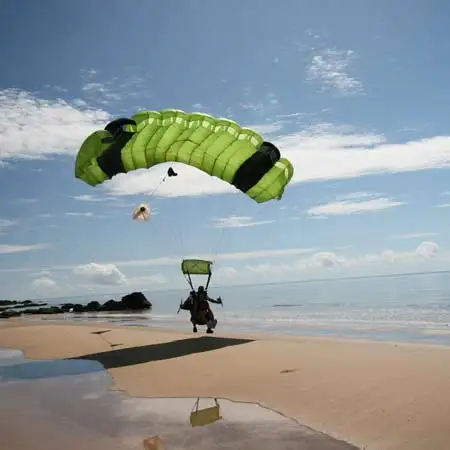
<point x="214" y="301"/>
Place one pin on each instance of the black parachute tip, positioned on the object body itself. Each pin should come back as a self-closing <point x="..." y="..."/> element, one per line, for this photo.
<point x="117" y="125"/>
<point x="171" y="172"/>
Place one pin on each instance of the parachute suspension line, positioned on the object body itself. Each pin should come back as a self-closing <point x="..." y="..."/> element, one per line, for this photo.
<point x="260" y="209"/>
<point x="152" y="193"/>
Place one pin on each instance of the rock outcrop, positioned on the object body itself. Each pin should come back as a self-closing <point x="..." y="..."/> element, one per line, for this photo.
<point x="136" y="301"/>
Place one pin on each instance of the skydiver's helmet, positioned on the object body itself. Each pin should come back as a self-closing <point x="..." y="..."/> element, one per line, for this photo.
<point x="201" y="289"/>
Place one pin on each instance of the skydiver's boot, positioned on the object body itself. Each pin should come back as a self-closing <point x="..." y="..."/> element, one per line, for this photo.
<point x="194" y="329"/>
<point x="209" y="331"/>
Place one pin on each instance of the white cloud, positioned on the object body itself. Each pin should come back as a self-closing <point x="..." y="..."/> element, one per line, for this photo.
<point x="79" y="214"/>
<point x="266" y="128"/>
<point x="426" y="251"/>
<point x="44" y="284"/>
<point x="5" y="249"/>
<point x="32" y="127"/>
<point x="238" y="222"/>
<point x="100" y="90"/>
<point x="415" y="235"/>
<point x="319" y="153"/>
<point x="235" y="256"/>
<point x="97" y="89"/>
<point x="101" y="273"/>
<point x="92" y="198"/>
<point x="225" y="273"/>
<point x="443" y="205"/>
<point x="42" y="274"/>
<point x="330" y="67"/>
<point x="348" y="207"/>
<point x="190" y="182"/>
<point x="357" y="195"/>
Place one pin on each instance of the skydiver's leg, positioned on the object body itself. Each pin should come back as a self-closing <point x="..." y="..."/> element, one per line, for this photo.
<point x="194" y="326"/>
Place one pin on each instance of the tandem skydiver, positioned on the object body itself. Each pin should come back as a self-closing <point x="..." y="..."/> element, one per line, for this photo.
<point x="201" y="313"/>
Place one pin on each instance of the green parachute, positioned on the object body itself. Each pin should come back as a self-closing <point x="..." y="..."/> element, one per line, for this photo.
<point x="216" y="146"/>
<point x="196" y="267"/>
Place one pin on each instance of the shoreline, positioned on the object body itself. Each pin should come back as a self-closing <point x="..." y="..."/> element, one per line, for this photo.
<point x="364" y="392"/>
<point x="430" y="336"/>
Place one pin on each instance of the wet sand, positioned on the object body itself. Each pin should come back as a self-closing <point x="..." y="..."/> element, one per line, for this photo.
<point x="374" y="395"/>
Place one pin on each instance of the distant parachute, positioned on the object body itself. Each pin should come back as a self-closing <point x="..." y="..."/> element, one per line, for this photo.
<point x="142" y="212"/>
<point x="217" y="146"/>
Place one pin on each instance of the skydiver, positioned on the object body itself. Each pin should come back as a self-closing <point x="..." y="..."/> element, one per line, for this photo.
<point x="203" y="310"/>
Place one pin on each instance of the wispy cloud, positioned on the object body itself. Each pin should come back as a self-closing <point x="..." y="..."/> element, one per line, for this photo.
<point x="349" y="207"/>
<point x="426" y="251"/>
<point x="6" y="224"/>
<point x="5" y="249"/>
<point x="199" y="107"/>
<point x="97" y="89"/>
<point x="415" y="235"/>
<point x="330" y="67"/>
<point x="318" y="153"/>
<point x="238" y="222"/>
<point x="357" y="196"/>
<point x="175" y="260"/>
<point x="79" y="214"/>
<point x="268" y="128"/>
<point x="28" y="200"/>
<point x="92" y="198"/>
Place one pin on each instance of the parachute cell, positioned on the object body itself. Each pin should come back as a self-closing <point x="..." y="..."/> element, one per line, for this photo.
<point x="218" y="147"/>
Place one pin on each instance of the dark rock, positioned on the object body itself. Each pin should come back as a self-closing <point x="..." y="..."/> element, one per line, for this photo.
<point x="78" y="308"/>
<point x="93" y="306"/>
<point x="8" y="302"/>
<point x="8" y="314"/>
<point x="48" y="310"/>
<point x="66" y="307"/>
<point x="136" y="301"/>
<point x="112" y="305"/>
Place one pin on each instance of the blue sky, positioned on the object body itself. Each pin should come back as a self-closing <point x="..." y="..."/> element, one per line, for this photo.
<point x="354" y="93"/>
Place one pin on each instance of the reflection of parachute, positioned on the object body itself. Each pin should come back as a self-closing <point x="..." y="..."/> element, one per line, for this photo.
<point x="218" y="147"/>
<point x="205" y="416"/>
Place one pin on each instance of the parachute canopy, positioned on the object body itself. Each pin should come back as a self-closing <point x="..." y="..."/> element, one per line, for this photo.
<point x="217" y="146"/>
<point x="142" y="212"/>
<point x="196" y="267"/>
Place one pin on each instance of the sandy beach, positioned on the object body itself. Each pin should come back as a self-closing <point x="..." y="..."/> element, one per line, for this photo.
<point x="373" y="395"/>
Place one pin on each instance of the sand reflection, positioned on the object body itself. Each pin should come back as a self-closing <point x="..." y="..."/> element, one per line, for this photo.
<point x="67" y="404"/>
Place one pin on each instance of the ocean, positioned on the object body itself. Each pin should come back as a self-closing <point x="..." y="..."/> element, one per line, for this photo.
<point x="411" y="308"/>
